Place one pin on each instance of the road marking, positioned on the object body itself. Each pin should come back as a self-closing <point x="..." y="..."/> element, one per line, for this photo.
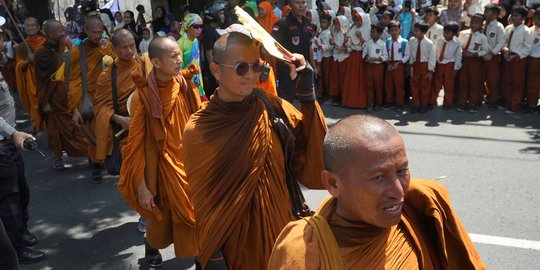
<point x="504" y="241"/>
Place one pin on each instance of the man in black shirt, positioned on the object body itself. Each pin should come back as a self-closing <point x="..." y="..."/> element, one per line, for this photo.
<point x="294" y="33"/>
<point x="214" y="17"/>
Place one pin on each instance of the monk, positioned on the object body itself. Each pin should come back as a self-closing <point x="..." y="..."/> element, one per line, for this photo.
<point x="235" y="161"/>
<point x="51" y="82"/>
<point x="152" y="178"/>
<point x="24" y="71"/>
<point x="95" y="49"/>
<point x="376" y="217"/>
<point x="106" y="119"/>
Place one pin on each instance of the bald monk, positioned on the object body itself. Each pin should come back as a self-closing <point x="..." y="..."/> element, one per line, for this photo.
<point x="107" y="120"/>
<point x="377" y="217"/>
<point x="152" y="178"/>
<point x="24" y="71"/>
<point x="62" y="134"/>
<point x="235" y="161"/>
<point x="95" y="49"/>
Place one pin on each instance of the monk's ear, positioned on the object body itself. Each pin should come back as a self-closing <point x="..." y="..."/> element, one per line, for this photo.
<point x="214" y="68"/>
<point x="330" y="181"/>
<point x="156" y="63"/>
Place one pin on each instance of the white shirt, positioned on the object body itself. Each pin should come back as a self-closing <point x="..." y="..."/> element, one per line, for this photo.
<point x="478" y="44"/>
<point x="435" y="32"/>
<point x="398" y="54"/>
<point x="520" y="43"/>
<point x="357" y="44"/>
<point x="427" y="52"/>
<point x="324" y="38"/>
<point x="375" y="49"/>
<point x="452" y="52"/>
<point x="494" y="32"/>
<point x="535" y="41"/>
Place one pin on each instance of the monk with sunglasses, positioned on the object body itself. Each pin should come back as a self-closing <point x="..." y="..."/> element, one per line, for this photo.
<point x="239" y="163"/>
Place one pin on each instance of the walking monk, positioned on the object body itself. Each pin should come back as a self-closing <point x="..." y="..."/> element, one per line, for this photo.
<point x="107" y="120"/>
<point x="95" y="48"/>
<point x="24" y="71"/>
<point x="51" y="82"/>
<point x="377" y="217"/>
<point x="152" y="179"/>
<point x="235" y="159"/>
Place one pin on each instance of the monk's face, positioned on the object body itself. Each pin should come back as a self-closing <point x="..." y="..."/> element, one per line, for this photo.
<point x="236" y="87"/>
<point x="125" y="49"/>
<point x="58" y="33"/>
<point x="94" y="33"/>
<point x="372" y="187"/>
<point x="170" y="61"/>
<point x="31" y="27"/>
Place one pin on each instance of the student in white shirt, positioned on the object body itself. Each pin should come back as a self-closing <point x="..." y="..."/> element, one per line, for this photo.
<point x="471" y="76"/>
<point x="341" y="53"/>
<point x="533" y="66"/>
<point x="326" y="63"/>
<point x="517" y="48"/>
<point x="423" y="63"/>
<point x="448" y="52"/>
<point x="494" y="32"/>
<point x="398" y="55"/>
<point x="375" y="54"/>
<point x="435" y="30"/>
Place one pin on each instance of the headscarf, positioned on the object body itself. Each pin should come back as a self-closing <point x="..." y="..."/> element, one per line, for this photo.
<point x="189" y="20"/>
<point x="253" y="6"/>
<point x="268" y="21"/>
<point x="449" y="15"/>
<point x="343" y="23"/>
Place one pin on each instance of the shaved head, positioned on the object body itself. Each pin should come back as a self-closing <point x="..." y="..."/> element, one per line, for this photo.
<point x="30" y="20"/>
<point x="159" y="46"/>
<point x="51" y="26"/>
<point x="120" y="35"/>
<point x="92" y="23"/>
<point x="219" y="53"/>
<point x="350" y="135"/>
<point x="31" y="26"/>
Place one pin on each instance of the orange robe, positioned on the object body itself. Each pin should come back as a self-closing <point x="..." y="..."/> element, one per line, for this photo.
<point x="26" y="83"/>
<point x="155" y="153"/>
<point x="94" y="67"/>
<point x="331" y="242"/>
<point x="103" y="106"/>
<point x="236" y="171"/>
<point x="269" y="19"/>
<point x="62" y="134"/>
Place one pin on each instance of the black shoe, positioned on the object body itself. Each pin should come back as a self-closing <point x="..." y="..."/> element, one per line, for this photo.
<point x="96" y="176"/>
<point x="529" y="110"/>
<point x="28" y="256"/>
<point x="29" y="239"/>
<point x="154" y="261"/>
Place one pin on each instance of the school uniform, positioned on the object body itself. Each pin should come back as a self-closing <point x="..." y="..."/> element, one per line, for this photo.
<point x="533" y="68"/>
<point x="423" y="61"/>
<point x="518" y="43"/>
<point x="471" y="76"/>
<point x="496" y="37"/>
<point x="326" y="63"/>
<point x="448" y="55"/>
<point x="375" y="70"/>
<point x="340" y="64"/>
<point x="354" y="94"/>
<point x="434" y="32"/>
<point x="398" y="52"/>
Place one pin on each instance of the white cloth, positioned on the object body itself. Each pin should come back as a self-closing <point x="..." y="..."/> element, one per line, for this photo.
<point x="494" y="32"/>
<point x="324" y="38"/>
<point x="435" y="32"/>
<point x="535" y="41"/>
<point x="478" y="44"/>
<point x="520" y="43"/>
<point x="398" y="54"/>
<point x="427" y="52"/>
<point x="375" y="49"/>
<point x="340" y="38"/>
<point x="452" y="52"/>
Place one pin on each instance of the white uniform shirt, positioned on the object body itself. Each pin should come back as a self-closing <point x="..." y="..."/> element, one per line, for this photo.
<point x="452" y="52"/>
<point x="478" y="44"/>
<point x="520" y="43"/>
<point x="494" y="32"/>
<point x="399" y="55"/>
<point x="427" y="52"/>
<point x="375" y="49"/>
<point x="324" y="37"/>
<point x="435" y="32"/>
<point x="535" y="41"/>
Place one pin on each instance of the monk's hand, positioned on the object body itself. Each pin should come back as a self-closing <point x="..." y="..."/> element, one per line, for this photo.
<point x="145" y="197"/>
<point x="18" y="138"/>
<point x="76" y="118"/>
<point x="303" y="76"/>
<point x="122" y="121"/>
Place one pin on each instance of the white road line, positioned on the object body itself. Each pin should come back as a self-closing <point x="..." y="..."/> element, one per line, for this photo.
<point x="504" y="241"/>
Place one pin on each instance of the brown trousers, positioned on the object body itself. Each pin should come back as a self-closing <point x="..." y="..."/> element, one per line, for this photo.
<point x="324" y="77"/>
<point x="420" y="85"/>
<point x="533" y="81"/>
<point x="337" y="80"/>
<point x="395" y="85"/>
<point x="514" y="82"/>
<point x="471" y="81"/>
<point x="493" y="80"/>
<point x="375" y="82"/>
<point x="444" y="77"/>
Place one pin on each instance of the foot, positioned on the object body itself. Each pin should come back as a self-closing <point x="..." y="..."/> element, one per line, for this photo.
<point x="473" y="110"/>
<point x="28" y="256"/>
<point x="59" y="164"/>
<point x="29" y="239"/>
<point x="154" y="261"/>
<point x="460" y="109"/>
<point x="509" y="112"/>
<point x="423" y="109"/>
<point x="386" y="107"/>
<point x="369" y="108"/>
<point x="141" y="226"/>
<point x="96" y="176"/>
<point x="529" y="110"/>
<point x="414" y="109"/>
<point x="399" y="108"/>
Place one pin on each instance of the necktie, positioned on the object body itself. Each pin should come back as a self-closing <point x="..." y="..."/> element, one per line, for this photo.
<point x="418" y="51"/>
<point x="429" y="35"/>
<point x="441" y="56"/>
<point x="466" y="49"/>
<point x="392" y="51"/>
<point x="510" y="39"/>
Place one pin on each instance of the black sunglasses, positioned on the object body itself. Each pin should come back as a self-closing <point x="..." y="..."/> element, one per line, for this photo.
<point x="197" y="26"/>
<point x="242" y="68"/>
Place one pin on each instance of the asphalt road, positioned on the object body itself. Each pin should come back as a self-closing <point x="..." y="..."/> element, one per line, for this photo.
<point x="489" y="161"/>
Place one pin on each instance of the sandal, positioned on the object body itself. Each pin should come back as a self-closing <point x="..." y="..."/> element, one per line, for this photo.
<point x="141" y="226"/>
<point x="59" y="164"/>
